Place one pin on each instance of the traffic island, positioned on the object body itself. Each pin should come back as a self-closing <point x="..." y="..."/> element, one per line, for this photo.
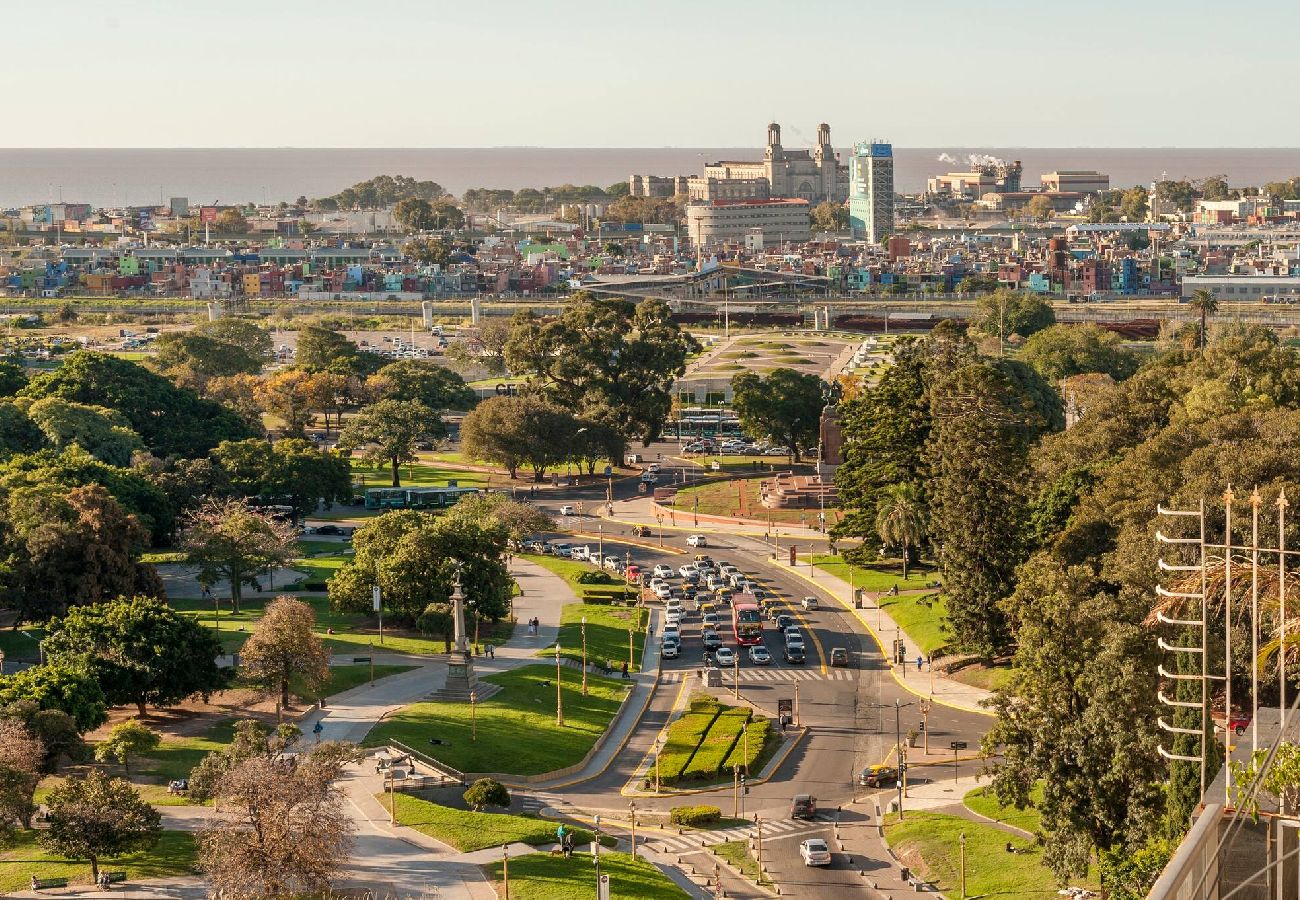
<point x="540" y="876"/>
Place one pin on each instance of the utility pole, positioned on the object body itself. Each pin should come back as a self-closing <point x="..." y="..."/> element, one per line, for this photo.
<point x="962" y="840"/>
<point x="898" y="743"/>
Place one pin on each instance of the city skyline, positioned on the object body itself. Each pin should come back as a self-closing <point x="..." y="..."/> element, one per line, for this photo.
<point x="591" y="75"/>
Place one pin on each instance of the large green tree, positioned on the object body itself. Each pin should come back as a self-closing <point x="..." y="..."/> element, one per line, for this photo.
<point x="101" y="432"/>
<point x="390" y="431"/>
<point x="96" y="817"/>
<point x="290" y="471"/>
<point x="1005" y="312"/>
<point x="520" y="431"/>
<point x="230" y="541"/>
<point x="900" y="519"/>
<point x="67" y="688"/>
<point x="1064" y="350"/>
<point x="605" y="357"/>
<point x="141" y="650"/>
<point x="785" y="406"/>
<point x="437" y="387"/>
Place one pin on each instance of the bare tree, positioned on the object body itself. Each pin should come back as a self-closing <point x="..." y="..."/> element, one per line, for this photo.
<point x="228" y="539"/>
<point x="281" y="830"/>
<point x="22" y="755"/>
<point x="284" y="645"/>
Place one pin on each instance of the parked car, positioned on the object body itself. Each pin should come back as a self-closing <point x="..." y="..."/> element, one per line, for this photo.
<point x="810" y="603"/>
<point x="663" y="571"/>
<point x="697" y="540"/>
<point x="759" y="656"/>
<point x="568" y="510"/>
<point x="724" y="656"/>
<point x="878" y="776"/>
<point x="815" y="852"/>
<point x="803" y="806"/>
<point x="641" y="531"/>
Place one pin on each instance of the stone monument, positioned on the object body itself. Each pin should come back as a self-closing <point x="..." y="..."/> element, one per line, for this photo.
<point x="461" y="679"/>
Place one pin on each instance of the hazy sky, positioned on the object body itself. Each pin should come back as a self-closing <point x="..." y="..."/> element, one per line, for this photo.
<point x="613" y="73"/>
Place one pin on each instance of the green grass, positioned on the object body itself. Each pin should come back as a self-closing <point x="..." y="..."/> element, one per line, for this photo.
<point x="982" y="801"/>
<point x="517" y="734"/>
<point x="716" y="747"/>
<point x="873" y="578"/>
<point x="158" y="557"/>
<point x="21" y="645"/>
<point x="417" y="474"/>
<point x="752" y="753"/>
<point x="343" y="678"/>
<point x="467" y="830"/>
<point x="606" y="634"/>
<point x="743" y="498"/>
<point x="990" y="870"/>
<point x="990" y="678"/>
<point x="923" y="616"/>
<point x="175" y="757"/>
<point x="174" y="856"/>
<point x="542" y="877"/>
<point x="685" y="736"/>
<point x="569" y="570"/>
<point x="737" y="854"/>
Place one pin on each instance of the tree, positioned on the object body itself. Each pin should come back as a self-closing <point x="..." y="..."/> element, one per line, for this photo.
<point x="13" y="377"/>
<point x="101" y="432"/>
<point x="319" y="348"/>
<point x="1180" y="193"/>
<point x="18" y="433"/>
<point x="282" y="830"/>
<point x="414" y="214"/>
<point x="251" y="739"/>
<point x="70" y="548"/>
<point x="1134" y="204"/>
<point x="515" y="431"/>
<point x="1204" y="304"/>
<point x="1005" y="312"/>
<point x="1039" y="208"/>
<point x="191" y="358"/>
<point x="486" y="792"/>
<point x="785" y="406"/>
<point x="428" y="251"/>
<point x="828" y="216"/>
<point x="96" y="816"/>
<point x="126" y="739"/>
<point x="520" y="520"/>
<point x="285" y="646"/>
<point x="287" y="395"/>
<point x="21" y="759"/>
<point x="65" y="687"/>
<point x="605" y="358"/>
<point x="140" y="650"/>
<point x="446" y="214"/>
<point x="1061" y="351"/>
<point x="414" y="558"/>
<point x="437" y="387"/>
<point x="290" y="471"/>
<point x="231" y="221"/>
<point x="172" y="421"/>
<point x="380" y="192"/>
<point x="228" y="540"/>
<point x="1215" y="187"/>
<point x="390" y="432"/>
<point x="900" y="519"/>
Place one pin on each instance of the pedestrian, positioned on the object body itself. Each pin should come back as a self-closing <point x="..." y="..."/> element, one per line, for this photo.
<point x="625" y="671"/>
<point x="919" y="659"/>
<point x="491" y="653"/>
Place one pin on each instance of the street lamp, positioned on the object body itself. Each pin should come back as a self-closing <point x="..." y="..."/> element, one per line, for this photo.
<point x="659" y="517"/>
<point x="962" y="840"/>
<point x="631" y="806"/>
<point x="559" y="701"/>
<point x="595" y="849"/>
<point x="505" y="869"/>
<point x="584" y="656"/>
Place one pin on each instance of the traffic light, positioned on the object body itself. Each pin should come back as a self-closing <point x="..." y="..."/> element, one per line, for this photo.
<point x="744" y="784"/>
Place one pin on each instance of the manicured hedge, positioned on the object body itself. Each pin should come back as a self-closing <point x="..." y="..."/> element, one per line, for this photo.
<point x="685" y="736"/>
<point x="694" y="816"/>
<point x="760" y="733"/>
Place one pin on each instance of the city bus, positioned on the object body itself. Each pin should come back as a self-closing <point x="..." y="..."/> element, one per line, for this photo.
<point x="416" y="498"/>
<point x="747" y="623"/>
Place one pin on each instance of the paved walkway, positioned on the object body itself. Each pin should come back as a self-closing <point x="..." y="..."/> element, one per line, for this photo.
<point x="641" y="511"/>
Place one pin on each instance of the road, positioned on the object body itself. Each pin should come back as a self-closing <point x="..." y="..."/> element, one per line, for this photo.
<point x="850" y="711"/>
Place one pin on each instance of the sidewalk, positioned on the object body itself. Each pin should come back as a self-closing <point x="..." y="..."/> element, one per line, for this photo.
<point x="927" y="684"/>
<point x="641" y="511"/>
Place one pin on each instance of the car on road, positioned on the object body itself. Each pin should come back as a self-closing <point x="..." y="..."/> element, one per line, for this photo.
<point x="688" y="570"/>
<point x="803" y="806"/>
<point x="640" y="531"/>
<point x="674" y="603"/>
<point x="654" y="468"/>
<point x="612" y="562"/>
<point x="333" y="530"/>
<point x="671" y="649"/>
<point x="567" y="510"/>
<point x="777" y="451"/>
<point x="674" y="632"/>
<point x="878" y="776"/>
<point x="649" y="478"/>
<point x="839" y="656"/>
<point x="534" y="545"/>
<point x="810" y="603"/>
<point x="792" y="633"/>
<point x="663" y="571"/>
<point x="724" y="656"/>
<point x="697" y="540"/>
<point x="673" y="616"/>
<point x="759" y="656"/>
<point x="710" y="620"/>
<point x="711" y="640"/>
<point x="784" y="621"/>
<point x="662" y="591"/>
<point x="815" y="852"/>
<point x="794" y="652"/>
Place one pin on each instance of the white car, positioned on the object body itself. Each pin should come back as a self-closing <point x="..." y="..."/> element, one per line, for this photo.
<point x="815" y="852"/>
<point x="674" y="603"/>
<point x="568" y="510"/>
<point x="672" y="632"/>
<point x="710" y="620"/>
<point x="759" y="656"/>
<point x="689" y="571"/>
<point x="670" y="649"/>
<point x="649" y="478"/>
<point x="792" y="633"/>
<point x="583" y="552"/>
<point x="697" y="540"/>
<point x="663" y="591"/>
<point x="724" y="656"/>
<point x="612" y="562"/>
<point x="673" y="616"/>
<point x="663" y="571"/>
<point x="653" y="468"/>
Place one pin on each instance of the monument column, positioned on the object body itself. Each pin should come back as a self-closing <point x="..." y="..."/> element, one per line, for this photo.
<point x="460" y="667"/>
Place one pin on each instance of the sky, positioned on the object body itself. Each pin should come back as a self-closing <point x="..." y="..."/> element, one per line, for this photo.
<point x="613" y="73"/>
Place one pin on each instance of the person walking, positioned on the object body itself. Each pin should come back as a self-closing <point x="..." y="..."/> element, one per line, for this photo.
<point x="624" y="671"/>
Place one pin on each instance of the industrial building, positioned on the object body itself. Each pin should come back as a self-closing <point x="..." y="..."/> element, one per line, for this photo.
<point x="993" y="176"/>
<point x="1075" y="182"/>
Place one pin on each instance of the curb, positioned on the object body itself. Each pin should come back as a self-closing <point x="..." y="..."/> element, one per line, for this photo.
<point x="893" y="669"/>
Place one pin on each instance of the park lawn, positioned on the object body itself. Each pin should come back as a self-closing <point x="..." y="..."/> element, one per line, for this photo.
<point x="752" y="753"/>
<point x="737" y="854"/>
<point x="982" y="801"/>
<point x="22" y="645"/>
<point x="923" y="616"/>
<point x="570" y="569"/>
<point x="420" y="474"/>
<point x="741" y="498"/>
<point x="175" y="757"/>
<point x="517" y="734"/>
<point x="874" y="578"/>
<point x="685" y="736"/>
<point x="539" y="876"/>
<point x="174" y="856"/>
<point x="606" y="634"/>
<point x="930" y="844"/>
<point x="343" y="678"/>
<point x="467" y="830"/>
<point x="990" y="678"/>
<point x="158" y="557"/>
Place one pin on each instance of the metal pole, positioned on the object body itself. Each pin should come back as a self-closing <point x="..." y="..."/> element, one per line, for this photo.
<point x="631" y="650"/>
<point x="1207" y="720"/>
<point x="505" y="869"/>
<point x="796" y="705"/>
<point x="925" y="725"/>
<point x="473" y="716"/>
<point x="392" y="799"/>
<point x="758" y="823"/>
<point x="584" y="656"/>
<point x="631" y="805"/>
<point x="559" y="700"/>
<point x="1227" y="640"/>
<point x="595" y="850"/>
<point x="898" y="745"/>
<point x="735" y="673"/>
<point x="1254" y="619"/>
<point x="963" y="865"/>
<point x="1281" y="605"/>
<point x="735" y="792"/>
<point x="657" y="748"/>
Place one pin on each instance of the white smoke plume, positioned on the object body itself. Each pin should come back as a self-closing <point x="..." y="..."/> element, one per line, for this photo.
<point x="983" y="159"/>
<point x="947" y="158"/>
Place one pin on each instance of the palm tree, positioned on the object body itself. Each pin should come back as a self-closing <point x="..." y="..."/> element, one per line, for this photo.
<point x="900" y="518"/>
<point x="1207" y="305"/>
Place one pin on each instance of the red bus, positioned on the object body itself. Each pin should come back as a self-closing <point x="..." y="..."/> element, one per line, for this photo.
<point x="747" y="623"/>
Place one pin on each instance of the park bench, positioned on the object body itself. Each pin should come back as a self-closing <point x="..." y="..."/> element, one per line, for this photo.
<point x="41" y="884"/>
<point x="115" y="877"/>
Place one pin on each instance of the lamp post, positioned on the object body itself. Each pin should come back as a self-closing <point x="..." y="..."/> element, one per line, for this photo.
<point x="925" y="724"/>
<point x="559" y="700"/>
<point x="659" y="517"/>
<point x="962" y="840"/>
<point x="658" y="748"/>
<point x="584" y="656"/>
<point x="595" y="849"/>
<point x="601" y="546"/>
<point x="631" y="652"/>
<point x="505" y="869"/>
<point x="473" y="716"/>
<point x="631" y="806"/>
<point x="735" y="673"/>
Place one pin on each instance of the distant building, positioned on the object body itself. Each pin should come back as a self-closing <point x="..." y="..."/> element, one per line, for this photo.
<point x="1252" y="288"/>
<point x="871" y="191"/>
<point x="739" y="220"/>
<point x="813" y="175"/>
<point x="994" y="177"/>
<point x="1078" y="182"/>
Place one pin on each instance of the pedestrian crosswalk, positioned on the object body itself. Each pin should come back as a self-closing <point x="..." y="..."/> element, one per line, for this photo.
<point x="760" y="675"/>
<point x="669" y="841"/>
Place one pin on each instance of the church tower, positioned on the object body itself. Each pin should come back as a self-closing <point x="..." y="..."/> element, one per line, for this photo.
<point x="774" y="163"/>
<point x="827" y="165"/>
<point x="774" y="150"/>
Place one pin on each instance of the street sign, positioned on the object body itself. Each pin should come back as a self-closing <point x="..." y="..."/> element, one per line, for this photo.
<point x="957" y="745"/>
<point x="784" y="706"/>
<point x="602" y="887"/>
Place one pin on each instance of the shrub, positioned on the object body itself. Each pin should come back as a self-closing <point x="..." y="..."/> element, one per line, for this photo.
<point x="595" y="577"/>
<point x="694" y="816"/>
<point x="486" y="792"/>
